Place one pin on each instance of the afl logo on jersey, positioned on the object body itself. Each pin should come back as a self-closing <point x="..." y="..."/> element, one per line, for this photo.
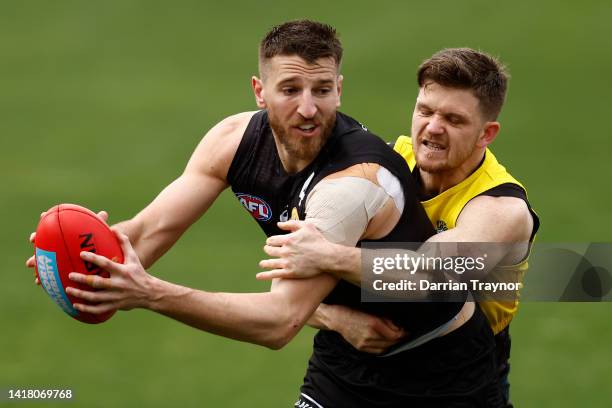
<point x="259" y="209"/>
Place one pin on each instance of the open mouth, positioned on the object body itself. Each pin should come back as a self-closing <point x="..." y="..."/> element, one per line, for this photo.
<point x="433" y="146"/>
<point x="307" y="129"/>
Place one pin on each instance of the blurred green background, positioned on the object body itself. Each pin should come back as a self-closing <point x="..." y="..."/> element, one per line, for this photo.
<point x="102" y="103"/>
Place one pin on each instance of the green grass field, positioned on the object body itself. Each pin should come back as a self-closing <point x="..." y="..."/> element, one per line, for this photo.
<point x="102" y="103"/>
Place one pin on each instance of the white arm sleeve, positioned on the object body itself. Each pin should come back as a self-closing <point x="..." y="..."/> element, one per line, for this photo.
<point x="341" y="208"/>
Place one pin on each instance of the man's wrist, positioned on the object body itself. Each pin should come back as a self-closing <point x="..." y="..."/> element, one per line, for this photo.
<point x="157" y="291"/>
<point x="334" y="259"/>
<point x="344" y="261"/>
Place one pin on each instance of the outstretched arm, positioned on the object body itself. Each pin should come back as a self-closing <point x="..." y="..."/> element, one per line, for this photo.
<point x="270" y="319"/>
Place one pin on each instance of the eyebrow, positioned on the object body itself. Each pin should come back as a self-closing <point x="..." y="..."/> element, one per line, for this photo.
<point x="295" y="78"/>
<point x="423" y="105"/>
<point x="459" y="115"/>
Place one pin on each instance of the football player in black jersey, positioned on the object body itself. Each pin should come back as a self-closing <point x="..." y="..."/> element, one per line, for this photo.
<point x="299" y="157"/>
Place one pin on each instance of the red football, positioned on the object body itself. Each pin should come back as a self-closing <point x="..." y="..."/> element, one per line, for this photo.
<point x="62" y="234"/>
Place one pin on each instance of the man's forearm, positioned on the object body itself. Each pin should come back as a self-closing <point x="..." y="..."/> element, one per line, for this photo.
<point x="270" y="319"/>
<point x="321" y="318"/>
<point x="260" y="318"/>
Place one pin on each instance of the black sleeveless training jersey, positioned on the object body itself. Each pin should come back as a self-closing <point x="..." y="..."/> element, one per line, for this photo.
<point x="270" y="194"/>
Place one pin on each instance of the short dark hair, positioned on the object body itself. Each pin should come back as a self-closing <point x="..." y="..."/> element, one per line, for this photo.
<point x="307" y="39"/>
<point x="466" y="68"/>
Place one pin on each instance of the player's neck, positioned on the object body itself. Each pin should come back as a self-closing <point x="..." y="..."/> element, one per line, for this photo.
<point x="434" y="183"/>
<point x="292" y="164"/>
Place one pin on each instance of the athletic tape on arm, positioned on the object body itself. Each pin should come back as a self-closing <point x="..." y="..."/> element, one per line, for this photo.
<point x="341" y="208"/>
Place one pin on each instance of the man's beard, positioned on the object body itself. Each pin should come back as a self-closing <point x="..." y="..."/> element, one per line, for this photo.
<point x="302" y="148"/>
<point x="435" y="167"/>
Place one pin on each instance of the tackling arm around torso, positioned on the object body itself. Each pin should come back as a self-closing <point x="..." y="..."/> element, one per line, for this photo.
<point x="305" y="252"/>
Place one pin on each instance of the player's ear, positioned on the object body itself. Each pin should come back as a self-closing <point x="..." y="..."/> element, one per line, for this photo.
<point x="339" y="89"/>
<point x="258" y="90"/>
<point x="489" y="133"/>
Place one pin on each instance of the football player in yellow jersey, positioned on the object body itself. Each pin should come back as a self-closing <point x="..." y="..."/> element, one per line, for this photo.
<point x="467" y="194"/>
